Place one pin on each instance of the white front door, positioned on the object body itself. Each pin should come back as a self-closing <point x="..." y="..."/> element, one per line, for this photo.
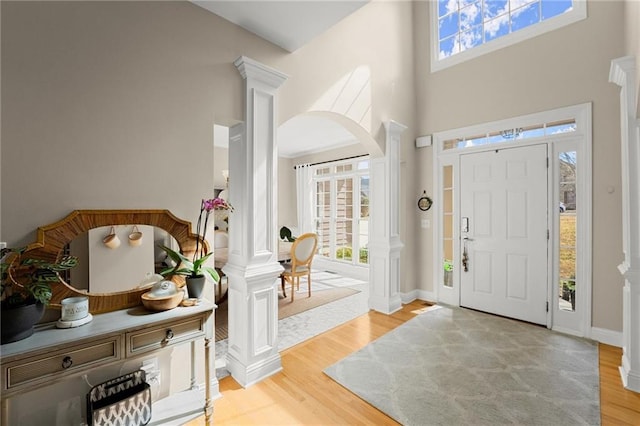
<point x="504" y="232"/>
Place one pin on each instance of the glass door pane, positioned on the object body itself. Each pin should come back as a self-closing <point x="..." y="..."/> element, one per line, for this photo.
<point x="447" y="229"/>
<point x="344" y="219"/>
<point x="323" y="217"/>
<point x="363" y="223"/>
<point x="567" y="231"/>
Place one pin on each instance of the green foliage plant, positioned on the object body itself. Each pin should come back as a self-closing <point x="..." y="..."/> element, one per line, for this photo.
<point x="27" y="280"/>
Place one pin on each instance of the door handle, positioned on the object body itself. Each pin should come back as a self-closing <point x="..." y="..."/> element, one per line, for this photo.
<point x="465" y="254"/>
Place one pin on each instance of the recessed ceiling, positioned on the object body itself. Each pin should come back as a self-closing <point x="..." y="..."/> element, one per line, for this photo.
<point x="288" y="24"/>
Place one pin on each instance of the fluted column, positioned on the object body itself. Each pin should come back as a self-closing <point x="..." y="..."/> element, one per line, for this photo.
<point x="253" y="267"/>
<point x="384" y="232"/>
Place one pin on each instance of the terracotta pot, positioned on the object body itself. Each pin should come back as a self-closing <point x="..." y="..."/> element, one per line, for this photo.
<point x="195" y="286"/>
<point x="17" y="323"/>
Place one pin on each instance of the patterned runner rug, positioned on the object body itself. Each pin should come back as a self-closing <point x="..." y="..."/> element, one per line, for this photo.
<point x="453" y="366"/>
<point x="320" y="295"/>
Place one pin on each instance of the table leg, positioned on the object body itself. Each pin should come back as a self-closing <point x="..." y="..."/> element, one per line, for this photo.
<point x="208" y="403"/>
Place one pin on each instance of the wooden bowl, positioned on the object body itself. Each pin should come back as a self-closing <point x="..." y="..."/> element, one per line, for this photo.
<point x="163" y="303"/>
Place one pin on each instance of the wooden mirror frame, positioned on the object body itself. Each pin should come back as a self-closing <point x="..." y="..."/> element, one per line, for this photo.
<point x="53" y="238"/>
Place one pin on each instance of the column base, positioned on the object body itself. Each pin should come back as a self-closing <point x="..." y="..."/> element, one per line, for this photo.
<point x="385" y="305"/>
<point x="247" y="375"/>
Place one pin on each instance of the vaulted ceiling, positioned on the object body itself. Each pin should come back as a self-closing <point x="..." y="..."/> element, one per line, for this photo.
<point x="290" y="25"/>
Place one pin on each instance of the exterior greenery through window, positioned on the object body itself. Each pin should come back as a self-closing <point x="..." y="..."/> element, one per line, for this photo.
<point x="477" y="25"/>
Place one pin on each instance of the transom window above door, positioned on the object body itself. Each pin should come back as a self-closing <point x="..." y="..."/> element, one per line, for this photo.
<point x="464" y="29"/>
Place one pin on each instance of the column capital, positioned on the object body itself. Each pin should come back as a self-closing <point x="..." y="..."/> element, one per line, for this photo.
<point x="251" y="69"/>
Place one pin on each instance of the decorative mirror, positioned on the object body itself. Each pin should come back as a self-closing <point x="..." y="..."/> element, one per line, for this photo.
<point x="107" y="234"/>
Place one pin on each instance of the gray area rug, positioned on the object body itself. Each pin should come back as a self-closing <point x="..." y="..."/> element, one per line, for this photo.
<point x="453" y="366"/>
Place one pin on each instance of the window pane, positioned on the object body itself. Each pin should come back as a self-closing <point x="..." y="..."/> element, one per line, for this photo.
<point x="447" y="243"/>
<point x="568" y="218"/>
<point x="493" y="8"/>
<point x="363" y="223"/>
<point x="446" y="6"/>
<point x="471" y="39"/>
<point x="496" y="28"/>
<point x="525" y="16"/>
<point x="551" y="8"/>
<point x="535" y="131"/>
<point x="449" y="46"/>
<point x="561" y="127"/>
<point x="470" y="16"/>
<point x="448" y="25"/>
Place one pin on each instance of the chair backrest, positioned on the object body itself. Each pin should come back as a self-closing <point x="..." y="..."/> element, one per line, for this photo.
<point x="220" y="239"/>
<point x="303" y="249"/>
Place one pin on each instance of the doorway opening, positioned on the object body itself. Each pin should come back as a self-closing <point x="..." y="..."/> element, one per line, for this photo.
<point x="483" y="231"/>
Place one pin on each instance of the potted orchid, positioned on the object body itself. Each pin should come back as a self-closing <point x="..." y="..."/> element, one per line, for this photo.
<point x="194" y="269"/>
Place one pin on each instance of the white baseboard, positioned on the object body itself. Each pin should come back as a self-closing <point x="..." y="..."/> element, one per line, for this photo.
<point x="425" y="295"/>
<point x="351" y="271"/>
<point x="608" y="337"/>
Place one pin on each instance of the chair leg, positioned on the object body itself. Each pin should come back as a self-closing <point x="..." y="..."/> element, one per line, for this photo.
<point x="293" y="288"/>
<point x="284" y="291"/>
<point x="309" y="283"/>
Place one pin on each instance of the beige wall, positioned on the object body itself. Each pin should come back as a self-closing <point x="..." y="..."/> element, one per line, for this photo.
<point x="632" y="38"/>
<point x="565" y="67"/>
<point x="112" y="104"/>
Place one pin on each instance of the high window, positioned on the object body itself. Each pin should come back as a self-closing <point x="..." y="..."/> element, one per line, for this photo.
<point x="463" y="29"/>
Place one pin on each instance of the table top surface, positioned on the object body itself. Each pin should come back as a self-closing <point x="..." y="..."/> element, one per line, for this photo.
<point x="47" y="335"/>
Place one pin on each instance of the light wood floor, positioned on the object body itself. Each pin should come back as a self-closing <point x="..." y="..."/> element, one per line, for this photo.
<point x="302" y="394"/>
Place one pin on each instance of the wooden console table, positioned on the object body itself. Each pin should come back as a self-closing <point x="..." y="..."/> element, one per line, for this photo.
<point x="53" y="355"/>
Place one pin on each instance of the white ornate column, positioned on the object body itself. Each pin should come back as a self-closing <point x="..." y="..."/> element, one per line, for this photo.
<point x="384" y="230"/>
<point x="253" y="267"/>
<point x="623" y="73"/>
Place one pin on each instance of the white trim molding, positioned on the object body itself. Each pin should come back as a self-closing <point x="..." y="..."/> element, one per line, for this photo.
<point x="576" y="14"/>
<point x="576" y="322"/>
<point x="623" y="73"/>
<point x="608" y="337"/>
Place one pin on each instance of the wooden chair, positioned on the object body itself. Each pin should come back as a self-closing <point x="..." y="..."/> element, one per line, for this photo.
<point x="302" y="251"/>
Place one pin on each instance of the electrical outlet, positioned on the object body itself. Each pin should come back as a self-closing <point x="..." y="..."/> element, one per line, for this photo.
<point x="426" y="223"/>
<point x="3" y="245"/>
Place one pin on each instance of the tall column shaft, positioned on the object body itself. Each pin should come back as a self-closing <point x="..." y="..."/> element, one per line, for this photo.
<point x="253" y="267"/>
<point x="384" y="232"/>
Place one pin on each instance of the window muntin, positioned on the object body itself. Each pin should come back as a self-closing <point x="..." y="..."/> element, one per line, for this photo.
<point x="468" y="28"/>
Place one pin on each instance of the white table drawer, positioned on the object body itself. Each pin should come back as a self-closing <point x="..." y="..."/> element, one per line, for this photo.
<point x="153" y="338"/>
<point x="69" y="360"/>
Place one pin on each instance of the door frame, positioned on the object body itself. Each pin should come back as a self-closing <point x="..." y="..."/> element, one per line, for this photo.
<point x="579" y="322"/>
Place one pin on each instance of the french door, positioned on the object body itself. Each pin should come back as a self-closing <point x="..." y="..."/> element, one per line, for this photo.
<point x="342" y="217"/>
